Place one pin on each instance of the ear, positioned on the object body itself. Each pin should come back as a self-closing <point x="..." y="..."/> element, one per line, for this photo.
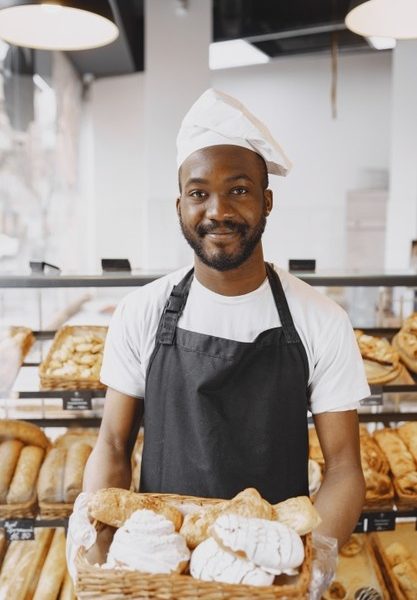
<point x="268" y="201"/>
<point x="177" y="205"/>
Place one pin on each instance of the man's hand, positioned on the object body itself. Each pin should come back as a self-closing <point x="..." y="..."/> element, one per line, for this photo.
<point x="324" y="564"/>
<point x="81" y="532"/>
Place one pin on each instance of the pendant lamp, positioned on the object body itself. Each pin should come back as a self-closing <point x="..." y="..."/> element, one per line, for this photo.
<point x="384" y="18"/>
<point x="56" y="24"/>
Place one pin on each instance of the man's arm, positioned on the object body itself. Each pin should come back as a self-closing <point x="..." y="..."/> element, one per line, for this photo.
<point x="342" y="492"/>
<point x="109" y="463"/>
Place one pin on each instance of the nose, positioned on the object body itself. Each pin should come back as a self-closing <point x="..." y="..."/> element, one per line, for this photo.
<point x="219" y="208"/>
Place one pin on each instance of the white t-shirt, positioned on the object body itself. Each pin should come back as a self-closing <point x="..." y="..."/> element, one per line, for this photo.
<point x="336" y="373"/>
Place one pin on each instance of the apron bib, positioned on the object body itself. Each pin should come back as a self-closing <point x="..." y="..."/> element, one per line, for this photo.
<point x="222" y="415"/>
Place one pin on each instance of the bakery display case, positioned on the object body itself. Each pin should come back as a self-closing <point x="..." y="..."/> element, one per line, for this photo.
<point x="53" y="329"/>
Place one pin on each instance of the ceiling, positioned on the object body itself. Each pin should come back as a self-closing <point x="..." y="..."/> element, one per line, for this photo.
<point x="277" y="27"/>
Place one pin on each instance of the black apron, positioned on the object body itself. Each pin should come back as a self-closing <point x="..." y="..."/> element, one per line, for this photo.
<point x="222" y="415"/>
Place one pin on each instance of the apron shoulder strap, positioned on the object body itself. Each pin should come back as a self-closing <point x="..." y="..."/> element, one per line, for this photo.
<point x="173" y="309"/>
<point x="290" y="332"/>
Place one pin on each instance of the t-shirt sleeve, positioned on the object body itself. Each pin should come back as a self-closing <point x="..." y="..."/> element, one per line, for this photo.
<point x="338" y="379"/>
<point x="121" y="368"/>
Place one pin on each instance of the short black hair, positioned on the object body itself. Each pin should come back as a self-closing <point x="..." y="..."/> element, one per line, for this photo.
<point x="265" y="178"/>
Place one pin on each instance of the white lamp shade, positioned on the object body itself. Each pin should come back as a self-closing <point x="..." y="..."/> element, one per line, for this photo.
<point x="384" y="18"/>
<point x="55" y="27"/>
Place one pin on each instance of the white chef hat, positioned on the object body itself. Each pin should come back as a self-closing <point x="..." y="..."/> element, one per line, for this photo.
<point x="215" y="119"/>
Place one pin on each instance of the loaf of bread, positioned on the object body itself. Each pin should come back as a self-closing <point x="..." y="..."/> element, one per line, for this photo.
<point x="75" y="436"/>
<point x="408" y="433"/>
<point x="3" y="546"/>
<point x="67" y="591"/>
<point x="25" y="432"/>
<point x="54" y="569"/>
<point x="381" y="360"/>
<point x="77" y="456"/>
<point x="23" y="485"/>
<point x="22" y="565"/>
<point x="9" y="455"/>
<point x="51" y="477"/>
<point x="113" y="506"/>
<point x="399" y="458"/>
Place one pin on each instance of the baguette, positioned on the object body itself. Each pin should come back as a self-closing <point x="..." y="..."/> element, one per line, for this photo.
<point x="67" y="591"/>
<point x="53" y="570"/>
<point x="22" y="564"/>
<point x="25" y="432"/>
<point x="9" y="455"/>
<point x="23" y="485"/>
<point x="113" y="506"/>
<point x="51" y="477"/>
<point x="77" y="456"/>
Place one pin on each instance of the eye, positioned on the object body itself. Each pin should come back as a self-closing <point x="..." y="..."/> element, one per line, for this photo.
<point x="239" y="191"/>
<point x="199" y="194"/>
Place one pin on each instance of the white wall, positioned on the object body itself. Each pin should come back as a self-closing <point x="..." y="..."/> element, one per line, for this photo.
<point x="117" y="123"/>
<point x="292" y="95"/>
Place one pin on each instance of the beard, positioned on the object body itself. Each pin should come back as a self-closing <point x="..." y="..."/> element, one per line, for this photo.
<point x="222" y="260"/>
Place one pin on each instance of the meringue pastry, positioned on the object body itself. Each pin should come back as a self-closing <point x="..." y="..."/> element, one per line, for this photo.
<point x="210" y="562"/>
<point x="147" y="542"/>
<point x="268" y="544"/>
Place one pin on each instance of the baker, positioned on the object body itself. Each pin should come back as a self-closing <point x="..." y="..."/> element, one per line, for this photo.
<point x="223" y="360"/>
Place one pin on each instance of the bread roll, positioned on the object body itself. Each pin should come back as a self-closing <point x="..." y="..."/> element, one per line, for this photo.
<point x="23" y="485"/>
<point x="67" y="591"/>
<point x="22" y="564"/>
<point x="298" y="513"/>
<point x="25" y="432"/>
<point x="9" y="455"/>
<point x="54" y="569"/>
<point x="51" y="477"/>
<point x="400" y="460"/>
<point x="113" y="506"/>
<point x="248" y="503"/>
<point x="77" y="456"/>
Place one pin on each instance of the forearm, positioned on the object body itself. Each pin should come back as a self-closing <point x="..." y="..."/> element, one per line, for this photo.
<point x="107" y="466"/>
<point x="340" y="501"/>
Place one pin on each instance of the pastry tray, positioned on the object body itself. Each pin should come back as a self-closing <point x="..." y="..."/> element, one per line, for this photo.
<point x="51" y="382"/>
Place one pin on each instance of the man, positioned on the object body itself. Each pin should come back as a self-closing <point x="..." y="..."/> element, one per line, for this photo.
<point x="224" y="360"/>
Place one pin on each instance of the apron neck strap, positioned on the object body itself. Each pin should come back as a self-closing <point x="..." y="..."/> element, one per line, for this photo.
<point x="290" y="332"/>
<point x="173" y="309"/>
<point x="178" y="298"/>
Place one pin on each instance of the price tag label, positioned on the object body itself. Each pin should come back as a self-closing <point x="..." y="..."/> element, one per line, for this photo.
<point x="19" y="529"/>
<point x="362" y="525"/>
<point x="77" y="403"/>
<point x="382" y="521"/>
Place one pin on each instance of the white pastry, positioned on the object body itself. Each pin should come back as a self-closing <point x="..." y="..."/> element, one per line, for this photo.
<point x="268" y="544"/>
<point x="210" y="562"/>
<point x="147" y="542"/>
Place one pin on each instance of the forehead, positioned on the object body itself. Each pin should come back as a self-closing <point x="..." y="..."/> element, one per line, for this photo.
<point x="221" y="161"/>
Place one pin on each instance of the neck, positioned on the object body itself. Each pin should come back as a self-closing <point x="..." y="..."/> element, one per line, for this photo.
<point x="235" y="282"/>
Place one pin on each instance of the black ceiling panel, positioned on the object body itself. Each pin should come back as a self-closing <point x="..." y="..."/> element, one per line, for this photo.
<point x="278" y="27"/>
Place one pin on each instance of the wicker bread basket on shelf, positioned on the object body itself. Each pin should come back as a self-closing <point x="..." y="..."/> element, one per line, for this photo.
<point x="25" y="510"/>
<point x="49" y="380"/>
<point x="96" y="583"/>
<point x="55" y="511"/>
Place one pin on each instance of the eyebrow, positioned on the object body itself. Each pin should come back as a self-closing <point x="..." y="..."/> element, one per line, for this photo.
<point x="196" y="180"/>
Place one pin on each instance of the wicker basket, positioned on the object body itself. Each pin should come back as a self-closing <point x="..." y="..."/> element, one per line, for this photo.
<point x="53" y="382"/>
<point x="26" y="510"/>
<point x="115" y="584"/>
<point x="55" y="511"/>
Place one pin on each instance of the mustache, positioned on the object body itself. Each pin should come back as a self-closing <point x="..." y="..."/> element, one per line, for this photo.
<point x="226" y="225"/>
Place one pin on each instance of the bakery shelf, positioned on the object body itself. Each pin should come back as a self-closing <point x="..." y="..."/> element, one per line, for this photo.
<point x="138" y="279"/>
